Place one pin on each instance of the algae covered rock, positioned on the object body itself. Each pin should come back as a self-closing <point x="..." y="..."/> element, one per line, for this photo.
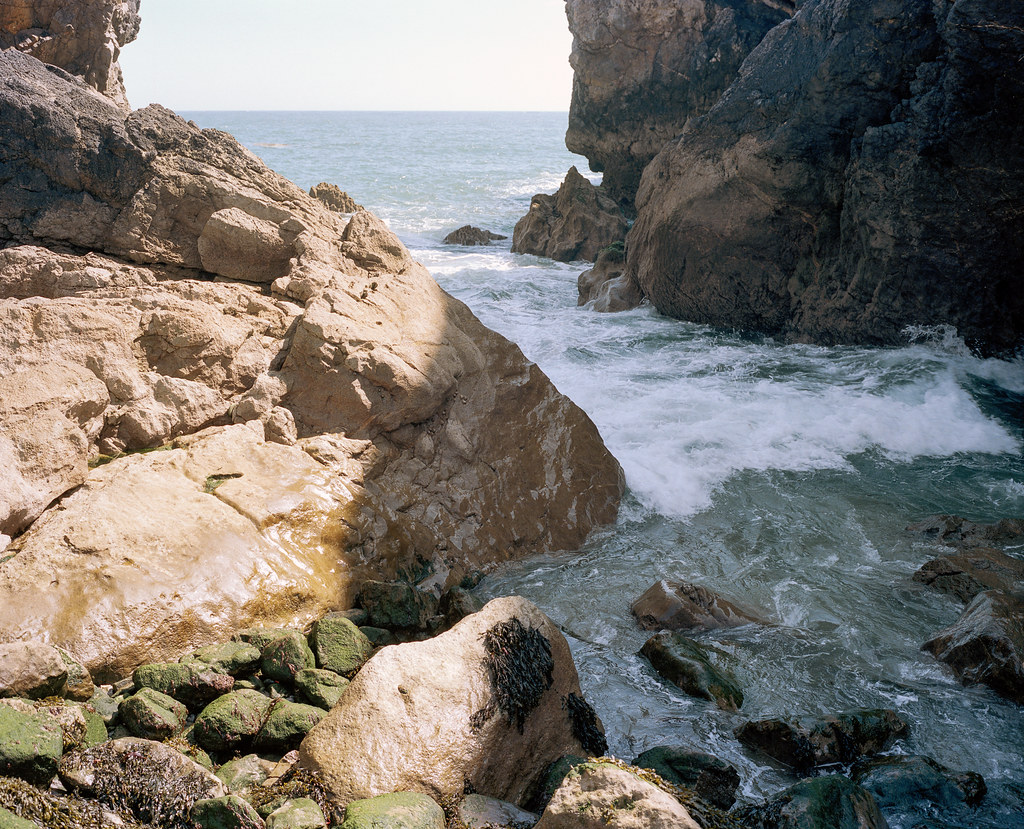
<point x="713" y="779"/>
<point x="300" y="813"/>
<point x="319" y="687"/>
<point x="831" y="802"/>
<point x="396" y="810"/>
<point x="339" y="645"/>
<point x="30" y="745"/>
<point x="31" y="669"/>
<point x="286" y="725"/>
<point x="688" y="665"/>
<point x="904" y="780"/>
<point x="193" y="684"/>
<point x="244" y="773"/>
<point x="9" y="820"/>
<point x="397" y="605"/>
<point x="229" y="812"/>
<point x="234" y="658"/>
<point x="285" y="656"/>
<point x="152" y="715"/>
<point x="259" y="638"/>
<point x="231" y="722"/>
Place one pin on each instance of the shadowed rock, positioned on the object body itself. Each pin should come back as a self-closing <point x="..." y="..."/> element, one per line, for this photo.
<point x="469" y="235"/>
<point x="680" y="605"/>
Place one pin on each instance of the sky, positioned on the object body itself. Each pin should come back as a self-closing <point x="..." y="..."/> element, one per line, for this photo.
<point x="351" y="55"/>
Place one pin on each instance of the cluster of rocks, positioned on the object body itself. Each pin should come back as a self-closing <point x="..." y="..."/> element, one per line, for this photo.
<point x="799" y="168"/>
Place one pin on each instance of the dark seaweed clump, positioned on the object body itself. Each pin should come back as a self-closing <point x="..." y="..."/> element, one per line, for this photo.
<point x="521" y="669"/>
<point x="52" y="811"/>
<point x="297" y="783"/>
<point x="583" y="720"/>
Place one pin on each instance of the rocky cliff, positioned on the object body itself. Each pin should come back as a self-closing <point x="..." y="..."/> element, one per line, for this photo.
<point x="82" y="38"/>
<point x="864" y="173"/>
<point x="222" y="403"/>
<point x="644" y="68"/>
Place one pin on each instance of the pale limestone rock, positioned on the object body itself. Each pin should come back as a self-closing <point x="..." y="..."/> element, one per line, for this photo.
<point x="240" y="246"/>
<point x="423" y="717"/>
<point x="601" y="795"/>
<point x="31" y="669"/>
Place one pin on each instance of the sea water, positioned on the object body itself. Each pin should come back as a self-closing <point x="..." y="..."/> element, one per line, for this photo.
<point x="783" y="476"/>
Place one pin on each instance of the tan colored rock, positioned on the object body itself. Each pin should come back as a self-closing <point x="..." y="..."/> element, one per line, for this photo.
<point x="240" y="246"/>
<point x="601" y="795"/>
<point x="606" y="287"/>
<point x="31" y="669"/>
<point x="680" y="605"/>
<point x="334" y="197"/>
<point x="428" y="716"/>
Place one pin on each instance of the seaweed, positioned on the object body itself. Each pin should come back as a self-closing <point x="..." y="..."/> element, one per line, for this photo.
<point x="521" y="669"/>
<point x="55" y="811"/>
<point x="583" y="721"/>
<point x="296" y="783"/>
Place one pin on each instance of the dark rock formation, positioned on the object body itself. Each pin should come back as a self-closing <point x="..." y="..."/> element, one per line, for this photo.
<point x="955" y="531"/>
<point x="690" y="667"/>
<point x="986" y="644"/>
<point x="968" y="573"/>
<point x="832" y="802"/>
<point x="713" y="779"/>
<point x="334" y="198"/>
<point x="606" y="287"/>
<point x="469" y="235"/>
<point x="903" y="780"/>
<point x="575" y="223"/>
<point x="680" y="605"/>
<point x="643" y="69"/>
<point x="83" y="37"/>
<point x="863" y="174"/>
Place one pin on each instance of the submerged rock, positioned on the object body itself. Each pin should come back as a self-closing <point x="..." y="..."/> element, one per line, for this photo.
<point x="713" y="779"/>
<point x="488" y="702"/>
<point x="469" y="235"/>
<point x="680" y="605"/>
<point x="959" y="532"/>
<point x="575" y="223"/>
<point x="688" y="665"/>
<point x="832" y="802"/>
<point x="971" y="572"/>
<point x="986" y="644"/>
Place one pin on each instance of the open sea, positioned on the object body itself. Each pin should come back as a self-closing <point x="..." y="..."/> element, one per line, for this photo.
<point x="782" y="476"/>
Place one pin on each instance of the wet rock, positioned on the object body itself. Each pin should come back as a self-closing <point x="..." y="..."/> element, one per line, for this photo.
<point x="80" y="686"/>
<point x="229" y="812"/>
<point x="30" y="745"/>
<point x="469" y="235"/>
<point x="408" y="810"/>
<point x="286" y="725"/>
<point x="680" y="605"/>
<point x="234" y="658"/>
<point x="334" y="198"/>
<point x="959" y="532"/>
<point x="339" y="646"/>
<point x="832" y="802"/>
<point x="301" y="813"/>
<point x="259" y="638"/>
<point x="31" y="669"/>
<point x="397" y="605"/>
<point x="902" y="781"/>
<point x="574" y="224"/>
<point x="131" y="774"/>
<point x="479" y="812"/>
<point x="688" y="665"/>
<point x="286" y="656"/>
<point x="193" y="684"/>
<point x="456" y="604"/>
<point x="986" y="644"/>
<point x="231" y="722"/>
<point x="152" y="715"/>
<point x="713" y="779"/>
<point x="606" y="287"/>
<point x="106" y="706"/>
<point x="319" y="687"/>
<point x="599" y="795"/>
<point x="244" y="773"/>
<point x="487" y="702"/>
<point x="47" y="809"/>
<point x="971" y="572"/>
<point x="807" y="742"/>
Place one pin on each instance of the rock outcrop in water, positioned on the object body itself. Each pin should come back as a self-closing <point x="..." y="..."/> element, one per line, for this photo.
<point x="863" y="172"/>
<point x="325" y="412"/>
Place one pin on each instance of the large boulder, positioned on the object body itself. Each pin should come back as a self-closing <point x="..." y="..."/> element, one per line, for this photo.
<point x="972" y="571"/>
<point x="577" y="222"/>
<point x="830" y="802"/>
<point x="861" y="175"/>
<point x="83" y="37"/>
<point x="691" y="667"/>
<point x="643" y="69"/>
<point x="986" y="644"/>
<point x="31" y="669"/>
<point x="344" y="412"/>
<point x="493" y="702"/>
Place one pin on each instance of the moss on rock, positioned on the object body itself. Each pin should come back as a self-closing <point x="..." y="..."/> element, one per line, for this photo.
<point x="231" y="722"/>
<point x="339" y="645"/>
<point x="30" y="745"/>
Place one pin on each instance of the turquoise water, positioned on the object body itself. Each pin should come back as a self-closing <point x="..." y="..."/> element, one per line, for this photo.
<point x="780" y="475"/>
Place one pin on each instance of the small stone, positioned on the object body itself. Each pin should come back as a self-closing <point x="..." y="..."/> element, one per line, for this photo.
<point x="80" y="686"/>
<point x="285" y="656"/>
<point x="300" y="813"/>
<point x="193" y="684"/>
<point x="319" y="687"/>
<point x="479" y="812"/>
<point x="152" y="715"/>
<point x="398" y="810"/>
<point x="244" y="773"/>
<point x="286" y="725"/>
<point x="234" y="658"/>
<point x="231" y="722"/>
<point x="230" y="812"/>
<point x="687" y="664"/>
<point x="106" y="706"/>
<point x="30" y="745"/>
<point x="339" y="646"/>
<point x="31" y="669"/>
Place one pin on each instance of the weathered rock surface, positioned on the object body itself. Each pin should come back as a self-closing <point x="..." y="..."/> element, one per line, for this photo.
<point x="31" y="744"/>
<point x="31" y="669"/>
<point x="479" y="812"/>
<point x="680" y="605"/>
<point x="575" y="223"/>
<point x="644" y="68"/>
<point x="861" y="175"/>
<point x="429" y="716"/>
<point x="971" y="572"/>
<point x="986" y="644"/>
<point x="334" y="197"/>
<point x="469" y="235"/>
<point x="831" y="802"/>
<point x="83" y="37"/>
<point x="803" y="743"/>
<point x="606" y="287"/>
<point x="955" y="531"/>
<point x="599" y="795"/>
<point x="362" y="397"/>
<point x="713" y="779"/>
<point x="228" y="812"/>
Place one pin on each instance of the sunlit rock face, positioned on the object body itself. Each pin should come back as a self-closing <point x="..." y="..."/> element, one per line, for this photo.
<point x="644" y="68"/>
<point x="324" y="411"/>
<point x="863" y="174"/>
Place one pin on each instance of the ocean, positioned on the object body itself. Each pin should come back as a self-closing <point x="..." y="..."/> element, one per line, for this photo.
<point x="782" y="476"/>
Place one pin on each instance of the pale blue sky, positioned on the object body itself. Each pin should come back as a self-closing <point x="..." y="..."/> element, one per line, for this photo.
<point x="351" y="55"/>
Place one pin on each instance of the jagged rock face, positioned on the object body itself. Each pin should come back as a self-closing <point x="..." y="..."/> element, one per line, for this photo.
<point x="327" y="413"/>
<point x="643" y="68"/>
<point x="83" y="37"/>
<point x="863" y="174"/>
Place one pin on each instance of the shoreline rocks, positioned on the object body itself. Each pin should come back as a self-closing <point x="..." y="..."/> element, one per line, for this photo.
<point x="680" y="605"/>
<point x="469" y="236"/>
